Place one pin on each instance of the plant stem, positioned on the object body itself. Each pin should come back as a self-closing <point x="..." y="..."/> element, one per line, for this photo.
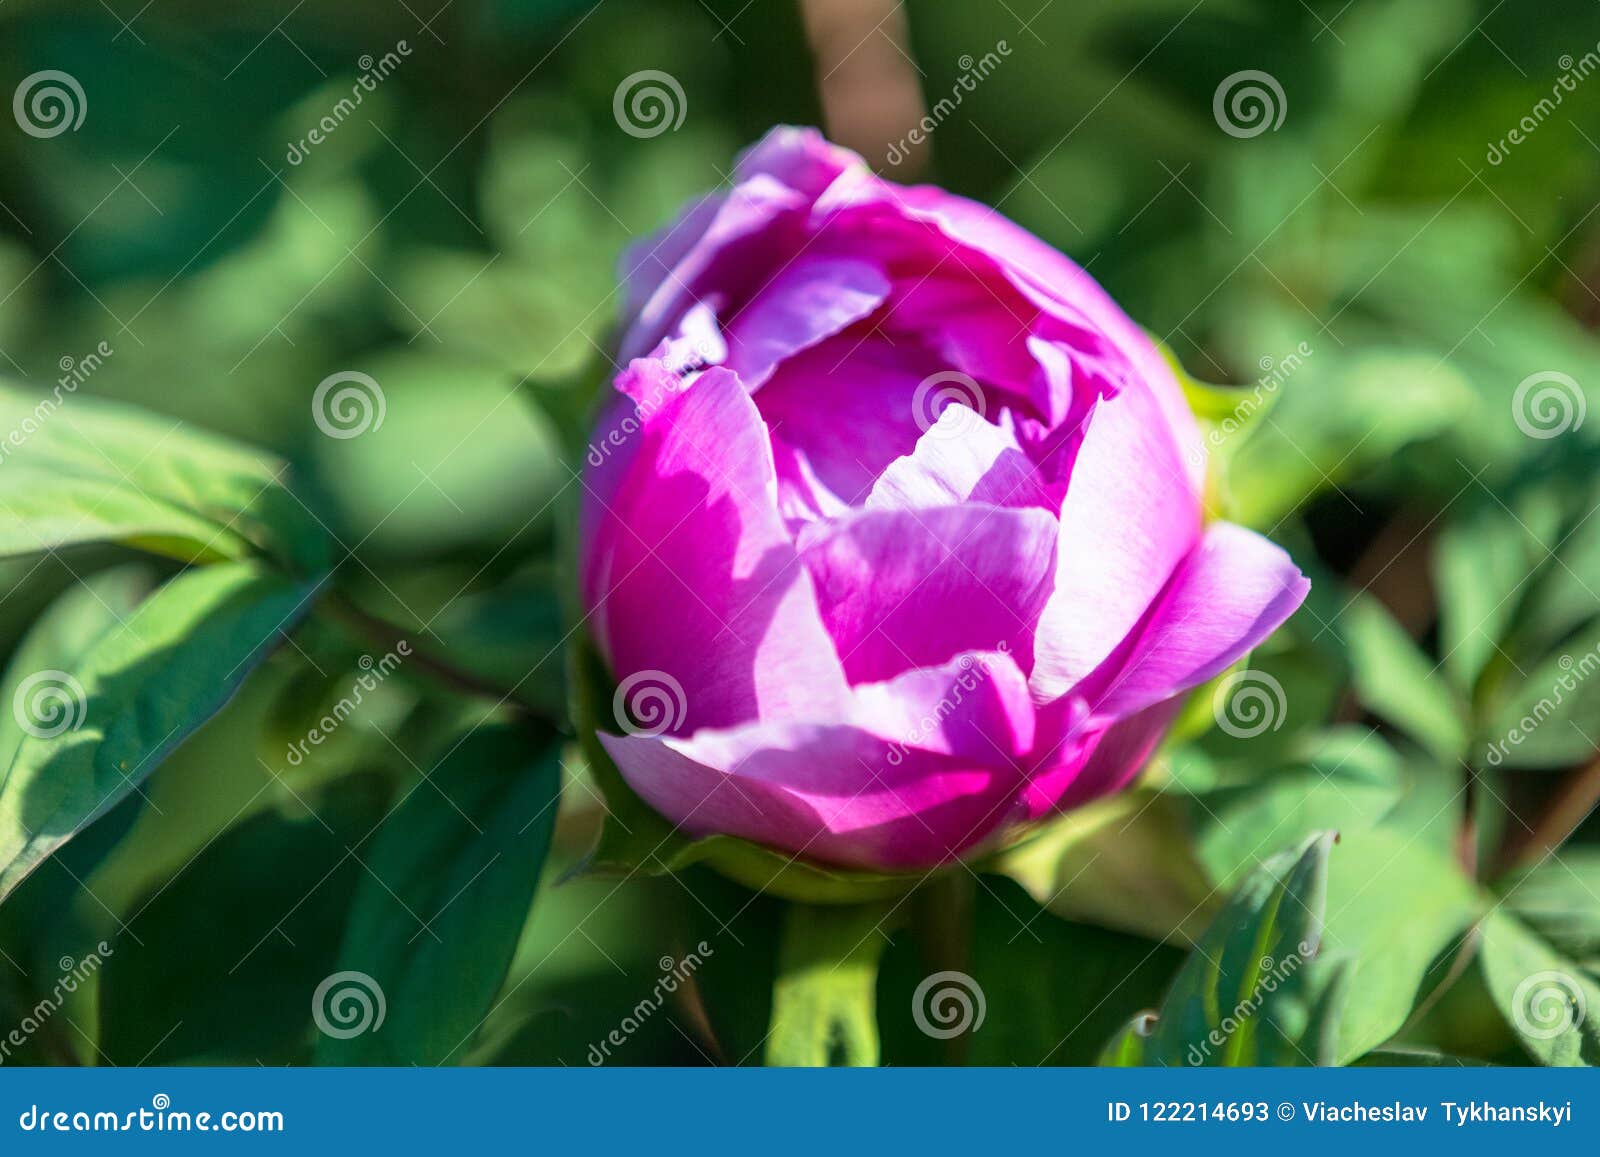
<point x="1570" y="806"/>
<point x="387" y="635"/>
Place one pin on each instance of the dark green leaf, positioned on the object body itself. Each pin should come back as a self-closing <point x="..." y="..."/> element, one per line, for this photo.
<point x="451" y="876"/>
<point x="1246" y="995"/>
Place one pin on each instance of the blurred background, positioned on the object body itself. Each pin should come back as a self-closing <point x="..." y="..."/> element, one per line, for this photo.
<point x="1403" y="257"/>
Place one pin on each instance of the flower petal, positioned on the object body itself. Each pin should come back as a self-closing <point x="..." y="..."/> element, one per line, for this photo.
<point x="845" y="409"/>
<point x="1128" y="519"/>
<point x="915" y="773"/>
<point x="1232" y="591"/>
<point x="901" y="589"/>
<point x="694" y="575"/>
<point x="810" y="299"/>
<point x="961" y="458"/>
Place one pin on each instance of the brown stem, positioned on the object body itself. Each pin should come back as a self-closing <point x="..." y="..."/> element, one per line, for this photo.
<point x="387" y="635"/>
<point x="1569" y="807"/>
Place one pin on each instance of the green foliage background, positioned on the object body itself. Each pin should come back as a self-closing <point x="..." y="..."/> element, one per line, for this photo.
<point x="456" y="239"/>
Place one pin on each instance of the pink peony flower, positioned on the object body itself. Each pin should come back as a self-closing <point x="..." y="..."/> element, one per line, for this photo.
<point x="894" y="539"/>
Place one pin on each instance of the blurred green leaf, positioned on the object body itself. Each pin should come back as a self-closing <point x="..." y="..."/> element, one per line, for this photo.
<point x="1340" y="414"/>
<point x="79" y="470"/>
<point x="1550" y="718"/>
<point x="1125" y="861"/>
<point x="1394" y="906"/>
<point x="1350" y="781"/>
<point x="1548" y="1000"/>
<point x="1399" y="683"/>
<point x="1481" y="566"/>
<point x="1559" y="900"/>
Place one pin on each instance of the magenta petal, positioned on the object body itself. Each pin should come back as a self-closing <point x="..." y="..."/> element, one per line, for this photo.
<point x="692" y="573"/>
<point x="961" y="458"/>
<point x="1128" y="519"/>
<point x="1108" y="762"/>
<point x="664" y="273"/>
<point x="802" y="158"/>
<point x="1057" y="284"/>
<point x="919" y="770"/>
<point x="810" y="299"/>
<point x="912" y="588"/>
<point x="1232" y="591"/>
<point x="847" y="410"/>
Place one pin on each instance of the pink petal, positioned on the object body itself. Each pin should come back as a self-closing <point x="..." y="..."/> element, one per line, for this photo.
<point x="1130" y="516"/>
<point x="1232" y="591"/>
<point x="846" y="409"/>
<point x="808" y="300"/>
<point x="719" y="245"/>
<point x="962" y="458"/>
<point x="692" y="573"/>
<point x="916" y="772"/>
<point x="901" y="589"/>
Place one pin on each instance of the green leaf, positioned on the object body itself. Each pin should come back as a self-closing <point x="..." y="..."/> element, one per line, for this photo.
<point x="1247" y="995"/>
<point x="1124" y="861"/>
<point x="93" y="723"/>
<point x="436" y="919"/>
<point x="1397" y="681"/>
<point x="1350" y="782"/>
<point x="1551" y="1003"/>
<point x="1481" y="566"/>
<point x="218" y="964"/>
<point x="823" y="1003"/>
<point x="1054" y="989"/>
<point x="1560" y="900"/>
<point x="1551" y="718"/>
<point x="1394" y="905"/>
<point x="78" y="469"/>
<point x="1341" y="414"/>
